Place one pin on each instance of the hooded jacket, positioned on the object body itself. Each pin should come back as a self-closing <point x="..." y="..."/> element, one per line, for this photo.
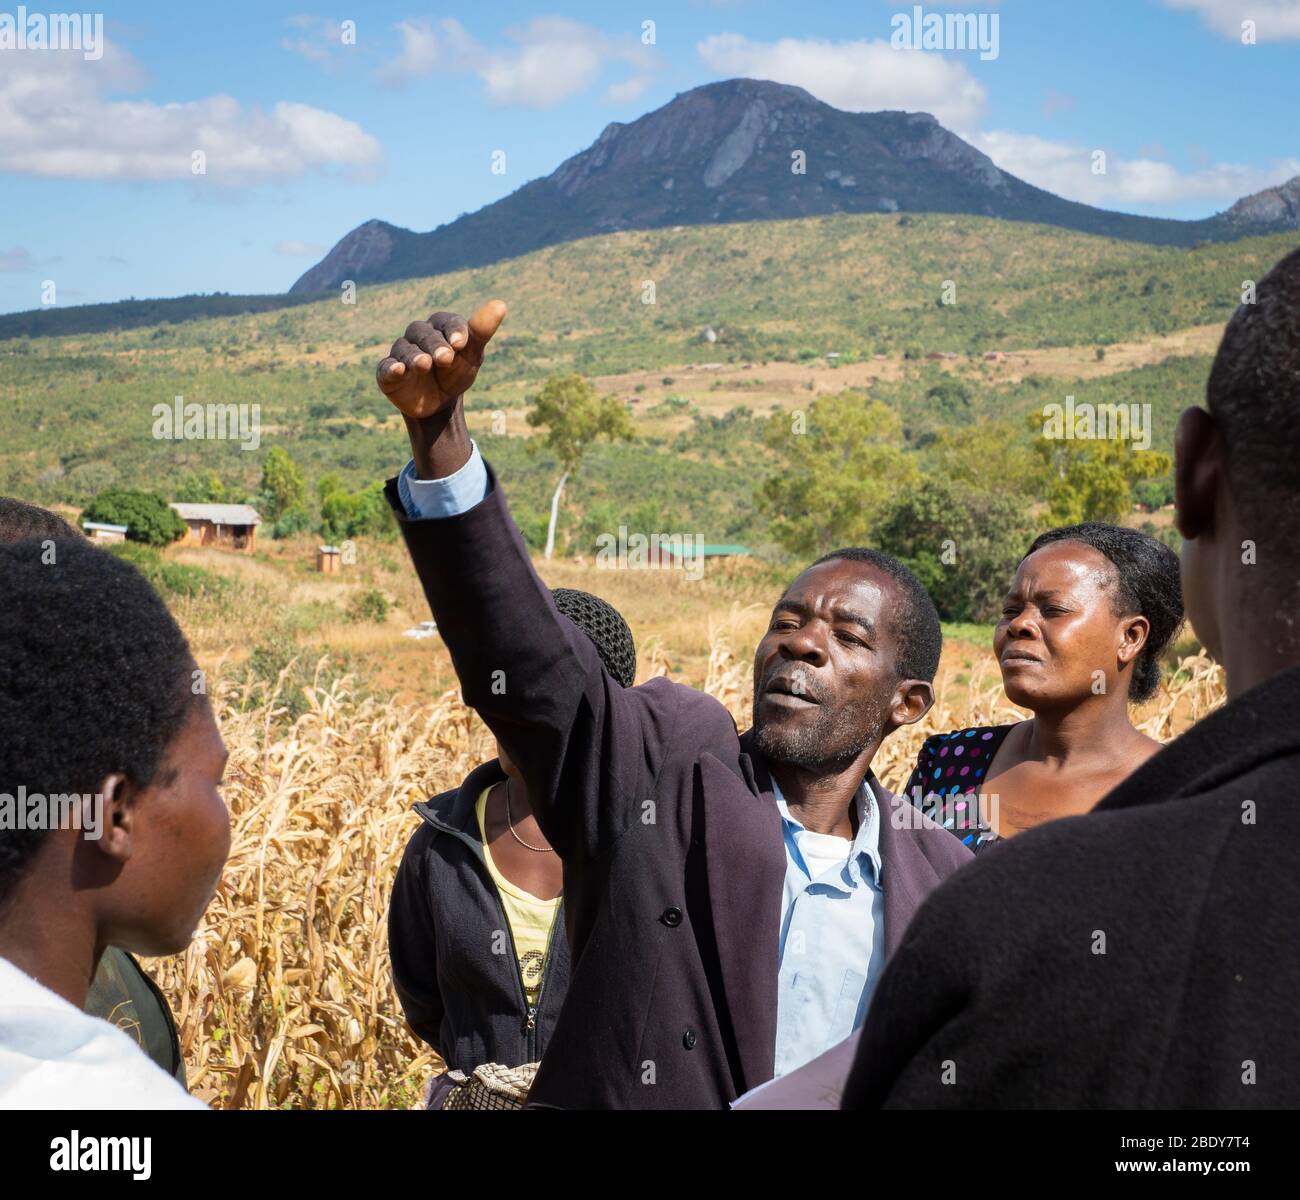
<point x="460" y="994"/>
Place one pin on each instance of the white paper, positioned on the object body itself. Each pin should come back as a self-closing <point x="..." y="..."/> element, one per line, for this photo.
<point x="817" y="1084"/>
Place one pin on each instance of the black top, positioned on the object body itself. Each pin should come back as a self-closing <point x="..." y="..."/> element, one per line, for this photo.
<point x="1139" y="956"/>
<point x="444" y="920"/>
<point x="945" y="783"/>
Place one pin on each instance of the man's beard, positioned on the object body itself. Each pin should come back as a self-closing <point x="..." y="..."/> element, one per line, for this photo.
<point x="833" y="740"/>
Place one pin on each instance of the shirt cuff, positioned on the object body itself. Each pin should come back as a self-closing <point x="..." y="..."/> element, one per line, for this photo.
<point x="447" y="497"/>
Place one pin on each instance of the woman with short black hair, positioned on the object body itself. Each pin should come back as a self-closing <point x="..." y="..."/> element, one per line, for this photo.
<point x="120" y="992"/>
<point x="113" y="831"/>
<point x="1090" y="611"/>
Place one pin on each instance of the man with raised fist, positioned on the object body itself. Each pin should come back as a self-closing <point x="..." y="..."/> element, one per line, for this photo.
<point x="730" y="900"/>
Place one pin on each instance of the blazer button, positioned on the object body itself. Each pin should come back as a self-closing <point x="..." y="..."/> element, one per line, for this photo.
<point x="688" y="1039"/>
<point x="672" y="917"/>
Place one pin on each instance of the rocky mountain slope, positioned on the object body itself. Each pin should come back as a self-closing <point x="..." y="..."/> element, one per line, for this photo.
<point x="751" y="150"/>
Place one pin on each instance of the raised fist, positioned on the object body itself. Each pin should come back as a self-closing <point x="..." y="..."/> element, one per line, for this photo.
<point x="437" y="360"/>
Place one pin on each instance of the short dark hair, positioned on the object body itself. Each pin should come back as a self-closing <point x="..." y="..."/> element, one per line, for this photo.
<point x="94" y="678"/>
<point x="604" y="625"/>
<point x="1146" y="582"/>
<point x="19" y="520"/>
<point x="1254" y="395"/>
<point x="916" y="621"/>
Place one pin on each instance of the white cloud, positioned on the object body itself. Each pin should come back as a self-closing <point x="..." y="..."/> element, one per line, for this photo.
<point x="296" y="249"/>
<point x="317" y="39"/>
<point x="60" y="118"/>
<point x="628" y="90"/>
<point x="1275" y="20"/>
<point x="17" y="259"/>
<point x="552" y="59"/>
<point x="555" y="59"/>
<point x="861" y="76"/>
<point x="419" y="56"/>
<point x="1066" y="169"/>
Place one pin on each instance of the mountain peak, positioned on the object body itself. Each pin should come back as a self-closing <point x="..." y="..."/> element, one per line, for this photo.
<point x="1273" y="207"/>
<point x="755" y="150"/>
<point x="730" y="116"/>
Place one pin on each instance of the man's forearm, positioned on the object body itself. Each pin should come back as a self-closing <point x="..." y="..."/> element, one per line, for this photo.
<point x="440" y="444"/>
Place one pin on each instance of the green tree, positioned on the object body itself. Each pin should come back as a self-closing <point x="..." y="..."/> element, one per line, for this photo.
<point x="573" y="416"/>
<point x="200" y="487"/>
<point x="353" y="514"/>
<point x="282" y="484"/>
<point x="993" y="456"/>
<point x="1154" y="493"/>
<point x="329" y="483"/>
<point x="147" y="516"/>
<point x="1092" y="479"/>
<point x="962" y="542"/>
<point x="949" y="401"/>
<point x="837" y="470"/>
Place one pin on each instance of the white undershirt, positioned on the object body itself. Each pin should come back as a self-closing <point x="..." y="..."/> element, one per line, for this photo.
<point x="821" y="851"/>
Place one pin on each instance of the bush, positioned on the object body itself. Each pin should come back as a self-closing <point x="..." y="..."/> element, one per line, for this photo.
<point x="301" y="666"/>
<point x="962" y="542"/>
<point x="171" y="580"/>
<point x="147" y="516"/>
<point x="949" y="401"/>
<point x="348" y="515"/>
<point x="1154" y="493"/>
<point x="371" y="605"/>
<point x="294" y="520"/>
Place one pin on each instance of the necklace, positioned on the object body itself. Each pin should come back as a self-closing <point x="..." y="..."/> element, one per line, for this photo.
<point x="510" y="825"/>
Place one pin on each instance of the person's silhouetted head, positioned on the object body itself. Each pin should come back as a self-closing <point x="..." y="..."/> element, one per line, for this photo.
<point x="603" y="625"/>
<point x="19" y="520"/>
<point x="102" y="720"/>
<point x="1237" y="485"/>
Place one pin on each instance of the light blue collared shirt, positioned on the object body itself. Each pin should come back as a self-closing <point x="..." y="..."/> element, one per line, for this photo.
<point x="832" y="939"/>
<point x="448" y="497"/>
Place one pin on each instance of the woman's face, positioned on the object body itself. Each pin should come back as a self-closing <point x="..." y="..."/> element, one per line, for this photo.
<point x="1059" y="640"/>
<point x="179" y="839"/>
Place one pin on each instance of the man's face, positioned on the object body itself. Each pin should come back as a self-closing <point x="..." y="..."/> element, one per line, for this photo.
<point x="825" y="672"/>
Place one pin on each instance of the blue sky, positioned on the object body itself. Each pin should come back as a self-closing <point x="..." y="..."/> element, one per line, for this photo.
<point x="306" y="137"/>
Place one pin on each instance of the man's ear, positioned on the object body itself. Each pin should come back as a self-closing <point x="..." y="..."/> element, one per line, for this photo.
<point x="912" y="700"/>
<point x="120" y="812"/>
<point x="1198" y="468"/>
